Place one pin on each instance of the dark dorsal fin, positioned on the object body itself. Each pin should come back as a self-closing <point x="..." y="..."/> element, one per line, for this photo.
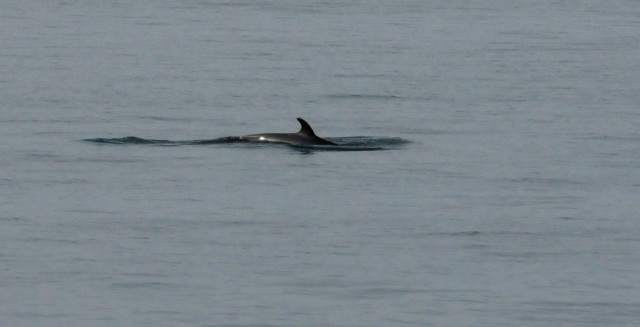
<point x="305" y="129"/>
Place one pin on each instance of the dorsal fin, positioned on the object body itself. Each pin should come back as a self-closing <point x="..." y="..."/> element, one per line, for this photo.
<point x="305" y="129"/>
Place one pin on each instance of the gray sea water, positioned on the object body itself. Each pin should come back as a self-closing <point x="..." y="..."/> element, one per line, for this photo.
<point x="508" y="197"/>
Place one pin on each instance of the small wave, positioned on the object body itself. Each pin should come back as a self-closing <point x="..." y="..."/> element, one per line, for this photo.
<point x="364" y="96"/>
<point x="125" y="140"/>
<point x="137" y="140"/>
<point x="356" y="143"/>
<point x="369" y="141"/>
<point x="333" y="148"/>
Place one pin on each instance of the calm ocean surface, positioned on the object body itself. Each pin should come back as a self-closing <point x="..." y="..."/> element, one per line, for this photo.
<point x="511" y="197"/>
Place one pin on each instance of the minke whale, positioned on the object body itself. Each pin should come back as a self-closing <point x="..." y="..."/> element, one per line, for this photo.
<point x="305" y="136"/>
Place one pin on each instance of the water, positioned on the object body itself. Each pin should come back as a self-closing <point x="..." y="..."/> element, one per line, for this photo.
<point x="507" y="194"/>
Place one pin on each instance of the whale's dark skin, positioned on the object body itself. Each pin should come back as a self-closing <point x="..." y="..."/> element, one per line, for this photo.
<point x="305" y="136"/>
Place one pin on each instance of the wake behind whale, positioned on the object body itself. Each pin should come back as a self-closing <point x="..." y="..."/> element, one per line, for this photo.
<point x="305" y="139"/>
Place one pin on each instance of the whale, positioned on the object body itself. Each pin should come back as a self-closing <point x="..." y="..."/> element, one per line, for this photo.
<point x="305" y="136"/>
